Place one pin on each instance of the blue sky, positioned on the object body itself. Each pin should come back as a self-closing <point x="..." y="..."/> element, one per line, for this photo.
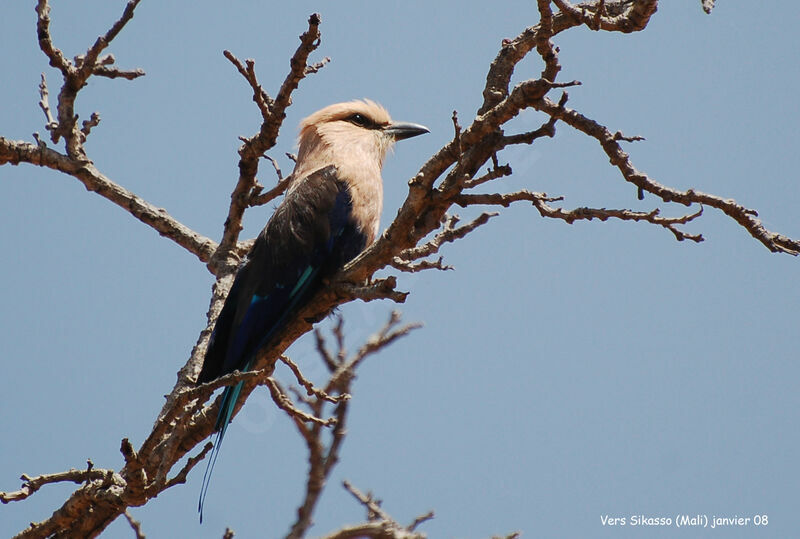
<point x="564" y="373"/>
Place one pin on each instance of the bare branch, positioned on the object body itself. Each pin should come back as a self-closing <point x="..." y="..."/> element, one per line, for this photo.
<point x="457" y="136"/>
<point x="599" y="12"/>
<point x="327" y="358"/>
<point x="87" y="126"/>
<point x="182" y="395"/>
<point x="448" y="234"/>
<point x="637" y="13"/>
<point x="180" y="478"/>
<point x="421" y="519"/>
<point x="273" y="114"/>
<point x="57" y="58"/>
<point x="89" y="63"/>
<point x="322" y="459"/>
<point x="544" y="46"/>
<point x="619" y="136"/>
<point x="134" y="470"/>
<point x="185" y="421"/>
<point x="386" y="336"/>
<point x="338" y="333"/>
<point x="135" y="525"/>
<point x="631" y="20"/>
<point x="379" y="524"/>
<point x="260" y="97"/>
<point x="373" y="530"/>
<point x="309" y="42"/>
<point x="378" y="289"/>
<point x="76" y="74"/>
<point x="282" y="400"/>
<point x="746" y="217"/>
<point x="311" y="390"/>
<point x="32" y="484"/>
<point x="540" y="201"/>
<point x="75" y="163"/>
<point x="116" y="73"/>
<point x="422" y="265"/>
<point x="272" y="194"/>
<point x="548" y="129"/>
<point x="315" y="67"/>
<point x="44" y="104"/>
<point x="15" y="152"/>
<point x="497" y="171"/>
<point x="373" y="506"/>
<point x="275" y="166"/>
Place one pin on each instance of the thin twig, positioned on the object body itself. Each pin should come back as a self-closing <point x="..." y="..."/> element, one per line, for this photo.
<point x="282" y="400"/>
<point x="316" y="66"/>
<point x="447" y="235"/>
<point x="373" y="506"/>
<point x="272" y="194"/>
<point x="540" y="201"/>
<point x="135" y="525"/>
<point x="311" y="390"/>
<point x="44" y="104"/>
<point x="260" y="97"/>
<point x="273" y="113"/>
<point x="422" y="265"/>
<point x="377" y="289"/>
<point x="497" y="171"/>
<point x="32" y="484"/>
<point x="87" y="125"/>
<point x="746" y="217"/>
<point x="421" y="519"/>
<point x="116" y="73"/>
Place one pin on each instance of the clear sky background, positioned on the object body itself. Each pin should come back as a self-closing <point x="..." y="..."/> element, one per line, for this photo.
<point x="564" y="372"/>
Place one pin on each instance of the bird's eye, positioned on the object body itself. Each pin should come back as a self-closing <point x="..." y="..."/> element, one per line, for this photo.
<point x="360" y="120"/>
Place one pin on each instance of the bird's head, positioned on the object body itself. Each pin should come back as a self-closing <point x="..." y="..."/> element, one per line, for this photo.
<point x="358" y="132"/>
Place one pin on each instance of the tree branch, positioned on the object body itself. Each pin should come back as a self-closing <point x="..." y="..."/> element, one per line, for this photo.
<point x="32" y="484"/>
<point x="136" y="526"/>
<point x="746" y="217"/>
<point x="448" y="234"/>
<point x="273" y="113"/>
<point x="379" y="524"/>
<point x="540" y="201"/>
<point x="16" y="151"/>
<point x="322" y="458"/>
<point x="185" y="421"/>
<point x="76" y="74"/>
<point x="284" y="402"/>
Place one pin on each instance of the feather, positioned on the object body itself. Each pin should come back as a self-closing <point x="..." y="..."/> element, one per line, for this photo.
<point x="331" y="212"/>
<point x="310" y="237"/>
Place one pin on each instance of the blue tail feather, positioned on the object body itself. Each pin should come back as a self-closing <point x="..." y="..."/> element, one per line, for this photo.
<point x="312" y="235"/>
<point x="226" y="407"/>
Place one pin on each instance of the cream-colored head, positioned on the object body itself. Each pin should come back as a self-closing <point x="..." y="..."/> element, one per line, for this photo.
<point x="354" y="136"/>
<point x="357" y="133"/>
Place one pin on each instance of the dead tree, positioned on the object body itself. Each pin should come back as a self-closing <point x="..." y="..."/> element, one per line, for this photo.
<point x="463" y="173"/>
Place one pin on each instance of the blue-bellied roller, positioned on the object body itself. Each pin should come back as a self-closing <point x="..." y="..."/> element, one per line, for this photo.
<point x="330" y="213"/>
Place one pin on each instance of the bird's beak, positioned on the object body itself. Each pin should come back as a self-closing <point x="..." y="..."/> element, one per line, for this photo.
<point x="404" y="130"/>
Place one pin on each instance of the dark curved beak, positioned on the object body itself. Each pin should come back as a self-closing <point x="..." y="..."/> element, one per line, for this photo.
<point x="404" y="130"/>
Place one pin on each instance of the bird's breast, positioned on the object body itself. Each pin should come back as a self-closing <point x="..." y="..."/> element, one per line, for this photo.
<point x="366" y="190"/>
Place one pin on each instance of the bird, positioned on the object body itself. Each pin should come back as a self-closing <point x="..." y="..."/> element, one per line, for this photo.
<point x="330" y="214"/>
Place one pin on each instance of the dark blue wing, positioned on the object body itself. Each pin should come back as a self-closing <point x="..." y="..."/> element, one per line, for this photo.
<point x="311" y="236"/>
